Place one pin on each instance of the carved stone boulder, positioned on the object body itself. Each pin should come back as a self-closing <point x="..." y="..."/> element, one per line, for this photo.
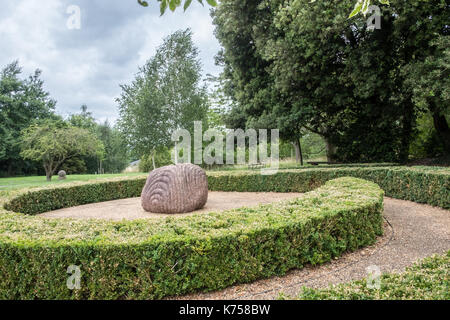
<point x="175" y="189"/>
<point x="62" y="175"/>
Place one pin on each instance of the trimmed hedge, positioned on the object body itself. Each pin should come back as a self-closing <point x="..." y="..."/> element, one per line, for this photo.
<point x="418" y="184"/>
<point x="149" y="259"/>
<point x="426" y="280"/>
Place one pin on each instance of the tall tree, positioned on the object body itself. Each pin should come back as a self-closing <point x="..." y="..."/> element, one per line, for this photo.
<point x="307" y="65"/>
<point x="165" y="96"/>
<point x="22" y="101"/>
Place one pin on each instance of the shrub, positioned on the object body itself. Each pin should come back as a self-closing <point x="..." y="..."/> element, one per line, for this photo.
<point x="427" y="279"/>
<point x="418" y="184"/>
<point x="146" y="259"/>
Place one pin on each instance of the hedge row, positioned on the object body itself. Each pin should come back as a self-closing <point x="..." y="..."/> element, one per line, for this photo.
<point x="150" y="259"/>
<point x="426" y="280"/>
<point x="421" y="184"/>
<point x="418" y="184"/>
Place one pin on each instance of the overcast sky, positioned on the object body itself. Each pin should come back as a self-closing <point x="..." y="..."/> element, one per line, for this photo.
<point x="86" y="65"/>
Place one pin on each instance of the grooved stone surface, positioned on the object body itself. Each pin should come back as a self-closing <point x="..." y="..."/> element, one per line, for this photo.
<point x="175" y="189"/>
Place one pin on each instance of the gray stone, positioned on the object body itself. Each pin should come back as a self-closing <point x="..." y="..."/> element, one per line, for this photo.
<point x="175" y="189"/>
<point x="62" y="175"/>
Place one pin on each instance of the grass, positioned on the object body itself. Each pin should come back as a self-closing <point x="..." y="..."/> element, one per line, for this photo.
<point x="7" y="184"/>
<point x="428" y="279"/>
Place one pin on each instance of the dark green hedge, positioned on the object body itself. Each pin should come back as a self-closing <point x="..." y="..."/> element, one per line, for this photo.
<point x="148" y="259"/>
<point x="422" y="185"/>
<point x="49" y="199"/>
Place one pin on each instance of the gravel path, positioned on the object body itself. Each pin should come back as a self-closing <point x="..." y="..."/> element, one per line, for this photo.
<point x="412" y="232"/>
<point x="130" y="209"/>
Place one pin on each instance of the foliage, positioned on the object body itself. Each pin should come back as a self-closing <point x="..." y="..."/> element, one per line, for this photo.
<point x="429" y="80"/>
<point x="162" y="158"/>
<point x="21" y="102"/>
<point x="115" y="158"/>
<point x="173" y="4"/>
<point x="171" y="256"/>
<point x="52" y="143"/>
<point x="426" y="280"/>
<point x="296" y="64"/>
<point x="164" y="97"/>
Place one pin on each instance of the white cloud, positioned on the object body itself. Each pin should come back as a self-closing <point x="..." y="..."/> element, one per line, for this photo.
<point x="86" y="66"/>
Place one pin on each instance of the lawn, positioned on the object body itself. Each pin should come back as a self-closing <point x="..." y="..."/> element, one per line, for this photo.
<point x="40" y="181"/>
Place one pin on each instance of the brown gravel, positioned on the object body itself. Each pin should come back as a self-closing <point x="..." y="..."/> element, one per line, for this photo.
<point x="131" y="208"/>
<point x="412" y="232"/>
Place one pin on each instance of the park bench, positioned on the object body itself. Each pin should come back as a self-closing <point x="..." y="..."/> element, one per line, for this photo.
<point x="254" y="166"/>
<point x="316" y="163"/>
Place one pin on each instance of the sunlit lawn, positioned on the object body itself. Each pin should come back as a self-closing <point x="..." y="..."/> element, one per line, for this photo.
<point x="39" y="181"/>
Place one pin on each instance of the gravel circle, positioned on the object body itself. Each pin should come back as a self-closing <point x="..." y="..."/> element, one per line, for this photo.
<point x="131" y="209"/>
<point x="412" y="231"/>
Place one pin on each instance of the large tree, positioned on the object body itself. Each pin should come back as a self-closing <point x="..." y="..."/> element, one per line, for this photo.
<point x="308" y="65"/>
<point x="22" y="101"/>
<point x="166" y="95"/>
<point x="52" y="143"/>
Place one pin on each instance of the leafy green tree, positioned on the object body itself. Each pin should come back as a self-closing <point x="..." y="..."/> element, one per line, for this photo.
<point x="429" y="81"/>
<point x="22" y="101"/>
<point x="306" y="65"/>
<point x="116" y="154"/>
<point x="165" y="96"/>
<point x="53" y="143"/>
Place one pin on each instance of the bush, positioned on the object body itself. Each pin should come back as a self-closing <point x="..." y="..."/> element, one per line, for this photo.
<point x="418" y="184"/>
<point x="145" y="259"/>
<point x="427" y="279"/>
<point x="170" y="256"/>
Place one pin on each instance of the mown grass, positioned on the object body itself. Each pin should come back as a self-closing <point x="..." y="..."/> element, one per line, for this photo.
<point x="40" y="181"/>
<point x="428" y="279"/>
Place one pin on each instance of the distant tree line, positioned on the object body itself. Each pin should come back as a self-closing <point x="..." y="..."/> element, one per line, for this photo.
<point x="34" y="140"/>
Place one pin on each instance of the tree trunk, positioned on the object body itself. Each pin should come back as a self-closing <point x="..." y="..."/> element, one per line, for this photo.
<point x="48" y="174"/>
<point x="443" y="131"/>
<point x="298" y="151"/>
<point x="153" y="159"/>
<point x="331" y="150"/>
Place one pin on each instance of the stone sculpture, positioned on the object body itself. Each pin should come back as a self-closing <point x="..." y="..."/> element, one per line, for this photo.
<point x="175" y="189"/>
<point x="62" y="175"/>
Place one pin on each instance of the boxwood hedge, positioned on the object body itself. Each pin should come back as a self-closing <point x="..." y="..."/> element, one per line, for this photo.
<point x="147" y="259"/>
<point x="418" y="184"/>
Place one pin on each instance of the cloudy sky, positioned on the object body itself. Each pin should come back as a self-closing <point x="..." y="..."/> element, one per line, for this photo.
<point x="86" y="65"/>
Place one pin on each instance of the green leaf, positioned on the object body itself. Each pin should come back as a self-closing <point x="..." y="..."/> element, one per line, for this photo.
<point x="365" y="7"/>
<point x="212" y="3"/>
<point x="143" y="3"/>
<point x="384" y="2"/>
<point x="187" y="3"/>
<point x="356" y="10"/>
<point x="172" y="5"/>
<point x="163" y="6"/>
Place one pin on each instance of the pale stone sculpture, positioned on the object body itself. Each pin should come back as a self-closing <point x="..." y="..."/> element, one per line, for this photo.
<point x="175" y="189"/>
<point x="61" y="175"/>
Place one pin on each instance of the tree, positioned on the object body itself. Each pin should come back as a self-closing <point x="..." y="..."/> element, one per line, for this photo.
<point x="306" y="65"/>
<point x="52" y="143"/>
<point x="116" y="155"/>
<point x="22" y="101"/>
<point x="165" y="96"/>
<point x="429" y="82"/>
